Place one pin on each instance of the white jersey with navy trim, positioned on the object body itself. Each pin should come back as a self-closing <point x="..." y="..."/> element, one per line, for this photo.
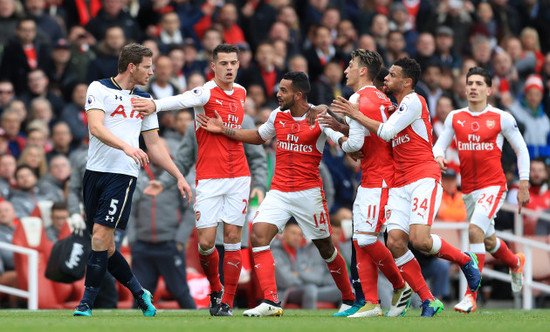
<point x="121" y="120"/>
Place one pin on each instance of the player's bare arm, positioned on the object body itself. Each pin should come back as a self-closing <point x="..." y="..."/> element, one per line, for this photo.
<point x="160" y="156"/>
<point x="216" y="126"/>
<point x="144" y="106"/>
<point x="98" y="129"/>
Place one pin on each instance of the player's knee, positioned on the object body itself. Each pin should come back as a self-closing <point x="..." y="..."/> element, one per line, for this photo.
<point x="490" y="243"/>
<point x="475" y="233"/>
<point x="206" y="244"/>
<point x="423" y="243"/>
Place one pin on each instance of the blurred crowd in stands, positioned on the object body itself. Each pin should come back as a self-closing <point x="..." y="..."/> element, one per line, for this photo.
<point x="50" y="50"/>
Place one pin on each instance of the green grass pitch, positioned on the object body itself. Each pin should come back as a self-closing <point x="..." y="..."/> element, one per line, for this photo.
<point x="293" y="320"/>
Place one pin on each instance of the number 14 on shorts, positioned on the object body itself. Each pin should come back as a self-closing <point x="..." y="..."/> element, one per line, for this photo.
<point x="321" y="221"/>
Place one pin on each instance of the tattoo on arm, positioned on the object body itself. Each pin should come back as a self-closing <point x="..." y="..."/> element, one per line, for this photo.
<point x="229" y="132"/>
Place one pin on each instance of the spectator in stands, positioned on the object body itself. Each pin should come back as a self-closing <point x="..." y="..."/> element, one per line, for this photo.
<point x="530" y="42"/>
<point x="280" y="54"/>
<point x="170" y="33"/>
<point x="8" y="277"/>
<point x="539" y="198"/>
<point x="81" y="43"/>
<point x="482" y="51"/>
<point x="456" y="15"/>
<point x="448" y="57"/>
<point x="245" y="58"/>
<point x="22" y="54"/>
<point x="74" y="115"/>
<point x="529" y="111"/>
<point x="301" y="274"/>
<point x="329" y="85"/>
<point x="287" y="15"/>
<point x="8" y="20"/>
<point x="485" y="23"/>
<point x="195" y="80"/>
<point x="524" y="62"/>
<point x="346" y="40"/>
<point x="41" y="111"/>
<point x="36" y="9"/>
<point x="60" y="73"/>
<point x="33" y="157"/>
<point x="298" y="63"/>
<point x="505" y="78"/>
<point x="257" y="16"/>
<point x="61" y="141"/>
<point x="425" y="50"/>
<point x="37" y="134"/>
<point x="401" y="21"/>
<point x="321" y="52"/>
<point x="395" y="46"/>
<point x="38" y="86"/>
<point x="7" y="93"/>
<point x="452" y="206"/>
<point x="11" y="123"/>
<point x="7" y="174"/>
<point x="182" y="121"/>
<point x="105" y="65"/>
<point x="507" y="17"/>
<point x="429" y="86"/>
<point x="157" y="237"/>
<point x="263" y="71"/>
<point x="58" y="175"/>
<point x="27" y="194"/>
<point x="379" y="30"/>
<point x="113" y="14"/>
<point x="60" y="217"/>
<point x="177" y="57"/>
<point x="227" y="18"/>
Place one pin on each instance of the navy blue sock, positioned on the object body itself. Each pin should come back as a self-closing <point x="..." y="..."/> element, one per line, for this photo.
<point x="95" y="271"/>
<point x="355" y="282"/>
<point x="119" y="268"/>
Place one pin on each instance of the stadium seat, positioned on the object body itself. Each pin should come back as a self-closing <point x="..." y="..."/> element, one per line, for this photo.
<point x="51" y="295"/>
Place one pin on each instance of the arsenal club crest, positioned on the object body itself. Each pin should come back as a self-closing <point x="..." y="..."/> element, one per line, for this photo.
<point x="197" y="215"/>
<point x="490" y="124"/>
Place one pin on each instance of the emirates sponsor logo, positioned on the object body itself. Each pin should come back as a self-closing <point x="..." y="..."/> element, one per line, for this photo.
<point x="400" y="140"/>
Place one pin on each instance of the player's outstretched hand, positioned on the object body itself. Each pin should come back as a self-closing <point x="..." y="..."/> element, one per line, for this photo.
<point x="342" y="106"/>
<point x="154" y="188"/>
<point x="213" y="125"/>
<point x="328" y="120"/>
<point x="144" y="106"/>
<point x="185" y="190"/>
<point x="140" y="157"/>
<point x="442" y="162"/>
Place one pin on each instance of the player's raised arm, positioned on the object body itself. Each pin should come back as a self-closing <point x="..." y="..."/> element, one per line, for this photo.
<point x="216" y="126"/>
<point x="97" y="128"/>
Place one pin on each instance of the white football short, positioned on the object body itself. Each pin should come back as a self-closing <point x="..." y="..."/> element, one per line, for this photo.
<point x="414" y="203"/>
<point x="308" y="207"/>
<point x="482" y="206"/>
<point x="369" y="209"/>
<point x="221" y="200"/>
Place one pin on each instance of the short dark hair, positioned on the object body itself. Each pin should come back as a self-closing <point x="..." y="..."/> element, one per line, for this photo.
<point x="224" y="48"/>
<point x="300" y="81"/>
<point x="369" y="59"/>
<point x="410" y="69"/>
<point x="25" y="166"/>
<point x="379" y="79"/>
<point x="482" y="72"/>
<point x="60" y="205"/>
<point x="132" y="53"/>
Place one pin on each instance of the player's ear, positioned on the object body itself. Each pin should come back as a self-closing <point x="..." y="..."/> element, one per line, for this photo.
<point x="489" y="91"/>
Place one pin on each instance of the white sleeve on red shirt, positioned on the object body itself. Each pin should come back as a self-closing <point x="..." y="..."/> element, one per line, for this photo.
<point x="409" y="110"/>
<point x="445" y="137"/>
<point x="510" y="130"/>
<point x="197" y="97"/>
<point x="267" y="130"/>
<point x="356" y="136"/>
